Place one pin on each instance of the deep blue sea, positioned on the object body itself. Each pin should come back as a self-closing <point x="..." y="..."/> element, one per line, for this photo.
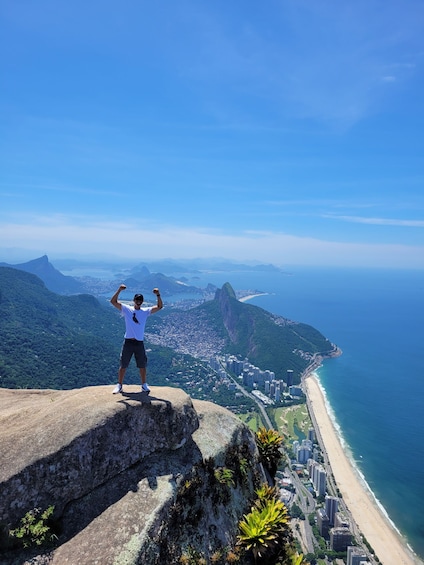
<point x="376" y="388"/>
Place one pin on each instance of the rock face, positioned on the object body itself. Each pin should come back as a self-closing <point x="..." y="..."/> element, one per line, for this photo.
<point x="132" y="477"/>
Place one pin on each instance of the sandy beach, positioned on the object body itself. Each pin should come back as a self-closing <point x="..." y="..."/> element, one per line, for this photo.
<point x="250" y="296"/>
<point x="388" y="545"/>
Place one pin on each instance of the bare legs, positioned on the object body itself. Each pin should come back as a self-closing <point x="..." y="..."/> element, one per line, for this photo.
<point x="122" y="371"/>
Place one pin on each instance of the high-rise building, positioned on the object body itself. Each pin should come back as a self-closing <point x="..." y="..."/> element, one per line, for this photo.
<point x="340" y="538"/>
<point x="289" y="377"/>
<point x="321" y="482"/>
<point x="269" y="375"/>
<point x="318" y="476"/>
<point x="323" y="523"/>
<point x="331" y="506"/>
<point x="355" y="556"/>
<point x="341" y="521"/>
<point x="303" y="454"/>
<point x="277" y="392"/>
<point x="295" y="391"/>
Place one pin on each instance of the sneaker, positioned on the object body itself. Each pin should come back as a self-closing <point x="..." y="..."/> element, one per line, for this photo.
<point x="145" y="387"/>
<point x="117" y="389"/>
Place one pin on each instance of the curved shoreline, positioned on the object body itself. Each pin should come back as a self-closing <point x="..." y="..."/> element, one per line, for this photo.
<point x="250" y="296"/>
<point x="366" y="511"/>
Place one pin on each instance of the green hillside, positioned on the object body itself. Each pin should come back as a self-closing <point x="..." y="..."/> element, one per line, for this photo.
<point x="268" y="341"/>
<point x="63" y="342"/>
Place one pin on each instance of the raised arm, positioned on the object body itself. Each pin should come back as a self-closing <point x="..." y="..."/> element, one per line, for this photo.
<point x="159" y="305"/>
<point x="114" y="300"/>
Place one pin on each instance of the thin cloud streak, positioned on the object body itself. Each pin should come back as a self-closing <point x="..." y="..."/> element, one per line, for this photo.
<point x="58" y="188"/>
<point x="379" y="221"/>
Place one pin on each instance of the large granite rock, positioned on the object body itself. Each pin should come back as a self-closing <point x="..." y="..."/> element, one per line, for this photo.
<point x="131" y="477"/>
<point x="60" y="445"/>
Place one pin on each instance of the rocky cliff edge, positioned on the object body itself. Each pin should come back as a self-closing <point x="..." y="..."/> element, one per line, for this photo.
<point x="132" y="477"/>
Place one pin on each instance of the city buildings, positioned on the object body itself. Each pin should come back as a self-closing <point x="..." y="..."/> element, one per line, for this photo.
<point x="254" y="378"/>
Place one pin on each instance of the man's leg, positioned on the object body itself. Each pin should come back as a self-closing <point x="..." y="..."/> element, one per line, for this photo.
<point x="121" y="374"/>
<point x="125" y="358"/>
<point x="143" y="373"/>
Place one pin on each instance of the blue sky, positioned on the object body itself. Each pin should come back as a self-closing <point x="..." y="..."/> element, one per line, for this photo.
<point x="281" y="131"/>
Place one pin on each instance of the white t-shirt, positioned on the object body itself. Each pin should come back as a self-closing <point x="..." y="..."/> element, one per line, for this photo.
<point x="132" y="329"/>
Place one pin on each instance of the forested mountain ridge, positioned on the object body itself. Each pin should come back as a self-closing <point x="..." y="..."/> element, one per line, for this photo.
<point x="268" y="341"/>
<point x="48" y="340"/>
<point x="227" y="325"/>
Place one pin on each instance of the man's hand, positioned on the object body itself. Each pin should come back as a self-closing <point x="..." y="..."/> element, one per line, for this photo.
<point x="122" y="287"/>
<point x="156" y="291"/>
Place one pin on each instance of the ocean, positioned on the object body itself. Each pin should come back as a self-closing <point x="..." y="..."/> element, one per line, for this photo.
<point x="375" y="390"/>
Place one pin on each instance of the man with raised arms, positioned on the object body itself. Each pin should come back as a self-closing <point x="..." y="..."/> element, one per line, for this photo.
<point x="135" y="321"/>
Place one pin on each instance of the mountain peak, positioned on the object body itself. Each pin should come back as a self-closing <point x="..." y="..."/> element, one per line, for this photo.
<point x="226" y="291"/>
<point x="52" y="278"/>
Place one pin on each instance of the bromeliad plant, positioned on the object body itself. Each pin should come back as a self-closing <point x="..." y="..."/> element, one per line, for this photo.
<point x="224" y="476"/>
<point x="264" y="528"/>
<point x="264" y="494"/>
<point x="269" y="444"/>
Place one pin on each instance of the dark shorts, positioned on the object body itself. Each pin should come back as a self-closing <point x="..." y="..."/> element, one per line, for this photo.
<point x="133" y="347"/>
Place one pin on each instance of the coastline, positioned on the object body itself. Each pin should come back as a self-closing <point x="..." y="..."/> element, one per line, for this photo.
<point x="370" y="518"/>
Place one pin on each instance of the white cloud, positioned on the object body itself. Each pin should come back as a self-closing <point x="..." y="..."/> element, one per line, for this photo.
<point x="379" y="221"/>
<point x="65" y="236"/>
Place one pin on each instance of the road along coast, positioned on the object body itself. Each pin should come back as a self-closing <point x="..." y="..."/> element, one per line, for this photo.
<point x="388" y="545"/>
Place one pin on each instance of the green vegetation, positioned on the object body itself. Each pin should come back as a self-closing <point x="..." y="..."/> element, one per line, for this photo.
<point x="263" y="528"/>
<point x="269" y="444"/>
<point x="265" y="532"/>
<point x="253" y="420"/>
<point x="35" y="528"/>
<point x="268" y="341"/>
<point x="52" y="341"/>
<point x="291" y="420"/>
<point x="225" y="476"/>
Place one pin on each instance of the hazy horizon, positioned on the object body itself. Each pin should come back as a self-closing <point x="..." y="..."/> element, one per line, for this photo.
<point x="87" y="262"/>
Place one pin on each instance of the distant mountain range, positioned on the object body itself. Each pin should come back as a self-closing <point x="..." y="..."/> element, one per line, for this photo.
<point x="199" y="265"/>
<point x="140" y="278"/>
<point x="52" y="278"/>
